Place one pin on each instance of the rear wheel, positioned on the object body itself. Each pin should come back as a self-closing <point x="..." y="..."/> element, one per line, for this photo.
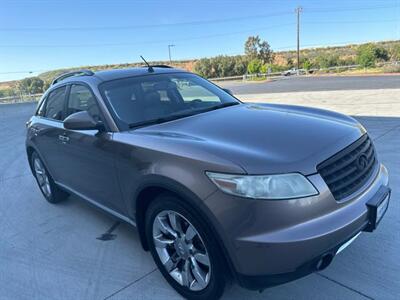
<point x="49" y="189"/>
<point x="184" y="249"/>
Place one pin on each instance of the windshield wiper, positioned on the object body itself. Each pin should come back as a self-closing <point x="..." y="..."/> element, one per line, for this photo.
<point x="160" y="120"/>
<point x="222" y="105"/>
<point x="179" y="116"/>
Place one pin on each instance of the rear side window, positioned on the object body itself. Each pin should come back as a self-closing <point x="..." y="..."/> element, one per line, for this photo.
<point x="82" y="99"/>
<point x="55" y="104"/>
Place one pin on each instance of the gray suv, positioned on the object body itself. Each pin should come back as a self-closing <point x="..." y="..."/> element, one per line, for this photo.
<point x="219" y="190"/>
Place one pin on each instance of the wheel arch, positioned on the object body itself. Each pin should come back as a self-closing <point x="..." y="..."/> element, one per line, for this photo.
<point x="29" y="151"/>
<point x="149" y="190"/>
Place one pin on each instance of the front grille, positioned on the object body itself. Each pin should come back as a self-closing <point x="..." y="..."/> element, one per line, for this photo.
<point x="348" y="170"/>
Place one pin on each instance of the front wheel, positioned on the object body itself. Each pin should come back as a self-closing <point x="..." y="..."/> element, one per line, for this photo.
<point x="184" y="249"/>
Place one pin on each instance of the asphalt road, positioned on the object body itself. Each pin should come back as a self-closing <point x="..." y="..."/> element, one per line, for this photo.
<point x="53" y="251"/>
<point x="311" y="83"/>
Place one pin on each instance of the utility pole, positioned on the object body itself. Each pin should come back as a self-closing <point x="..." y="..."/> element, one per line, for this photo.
<point x="169" y="52"/>
<point x="298" y="10"/>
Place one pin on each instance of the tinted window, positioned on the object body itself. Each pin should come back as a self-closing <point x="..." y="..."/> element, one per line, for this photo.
<point x="55" y="104"/>
<point x="142" y="99"/>
<point x="82" y="99"/>
<point x="41" y="108"/>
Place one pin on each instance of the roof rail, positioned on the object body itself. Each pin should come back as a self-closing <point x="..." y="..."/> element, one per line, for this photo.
<point x="159" y="66"/>
<point x="70" y="74"/>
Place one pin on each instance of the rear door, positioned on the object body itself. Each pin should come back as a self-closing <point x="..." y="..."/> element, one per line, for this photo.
<point x="47" y="131"/>
<point x="88" y="161"/>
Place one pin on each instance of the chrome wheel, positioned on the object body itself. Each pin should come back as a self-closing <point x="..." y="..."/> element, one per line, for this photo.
<point x="181" y="250"/>
<point x="42" y="177"/>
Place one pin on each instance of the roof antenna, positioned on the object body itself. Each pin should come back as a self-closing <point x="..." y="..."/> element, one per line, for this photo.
<point x="150" y="68"/>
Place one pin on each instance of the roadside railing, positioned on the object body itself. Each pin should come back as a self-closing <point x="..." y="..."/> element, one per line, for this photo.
<point x="334" y="69"/>
<point x="21" y="98"/>
<point x="245" y="77"/>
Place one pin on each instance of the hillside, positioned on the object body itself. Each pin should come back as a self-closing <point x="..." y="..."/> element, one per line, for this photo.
<point x="182" y="64"/>
<point x="317" y="57"/>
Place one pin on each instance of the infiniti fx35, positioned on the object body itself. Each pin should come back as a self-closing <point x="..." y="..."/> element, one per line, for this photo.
<point x="219" y="190"/>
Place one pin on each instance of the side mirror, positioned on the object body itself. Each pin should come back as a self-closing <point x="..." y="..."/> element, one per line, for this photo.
<point x="228" y="91"/>
<point x="82" y="121"/>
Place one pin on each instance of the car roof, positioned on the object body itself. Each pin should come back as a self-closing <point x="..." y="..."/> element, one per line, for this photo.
<point x="124" y="73"/>
<point x="106" y="75"/>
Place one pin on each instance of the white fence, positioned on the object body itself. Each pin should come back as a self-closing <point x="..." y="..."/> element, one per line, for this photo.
<point x="246" y="77"/>
<point x="21" y="98"/>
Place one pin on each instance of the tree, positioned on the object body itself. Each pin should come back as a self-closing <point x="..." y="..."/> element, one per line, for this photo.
<point x="381" y="54"/>
<point x="240" y="67"/>
<point x="255" y="48"/>
<point x="203" y="67"/>
<point x="251" y="47"/>
<point x="395" y="52"/>
<point x="46" y="85"/>
<point x="223" y="65"/>
<point x="31" y="85"/>
<point x="254" y="66"/>
<point x="36" y="85"/>
<point x="365" y="57"/>
<point x="369" y="54"/>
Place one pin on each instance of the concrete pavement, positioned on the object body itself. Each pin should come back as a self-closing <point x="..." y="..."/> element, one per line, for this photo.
<point x="383" y="103"/>
<point x="53" y="251"/>
<point x="314" y="83"/>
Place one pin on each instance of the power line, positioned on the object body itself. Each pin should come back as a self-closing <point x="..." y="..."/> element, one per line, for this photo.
<point x="152" y="42"/>
<point x="22" y="72"/>
<point x="102" y="28"/>
<point x="144" y="42"/>
<point x="353" y="22"/>
<point x="198" y="22"/>
<point x="334" y="9"/>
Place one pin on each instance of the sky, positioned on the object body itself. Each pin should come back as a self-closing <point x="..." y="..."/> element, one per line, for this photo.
<point x="41" y="35"/>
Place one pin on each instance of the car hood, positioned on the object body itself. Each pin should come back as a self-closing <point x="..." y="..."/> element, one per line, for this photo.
<point x="263" y="138"/>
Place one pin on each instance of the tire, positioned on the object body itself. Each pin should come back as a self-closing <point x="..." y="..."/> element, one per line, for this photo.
<point x="201" y="257"/>
<point x="51" y="192"/>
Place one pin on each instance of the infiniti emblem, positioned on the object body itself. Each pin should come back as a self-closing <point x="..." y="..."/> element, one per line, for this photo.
<point x="362" y="162"/>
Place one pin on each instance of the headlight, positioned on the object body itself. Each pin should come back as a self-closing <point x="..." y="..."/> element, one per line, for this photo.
<point x="274" y="187"/>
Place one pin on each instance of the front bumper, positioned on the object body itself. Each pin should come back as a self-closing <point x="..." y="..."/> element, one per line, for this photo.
<point x="272" y="242"/>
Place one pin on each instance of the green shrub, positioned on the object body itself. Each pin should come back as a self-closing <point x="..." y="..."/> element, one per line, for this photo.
<point x="369" y="54"/>
<point x="307" y="65"/>
<point x="221" y="66"/>
<point x="254" y="66"/>
<point x="264" y="69"/>
<point x="327" y="61"/>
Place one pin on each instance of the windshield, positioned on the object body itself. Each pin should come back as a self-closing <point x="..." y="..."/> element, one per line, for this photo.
<point x="150" y="99"/>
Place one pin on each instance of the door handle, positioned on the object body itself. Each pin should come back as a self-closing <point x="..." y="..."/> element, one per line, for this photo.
<point x="35" y="131"/>
<point x="64" y="139"/>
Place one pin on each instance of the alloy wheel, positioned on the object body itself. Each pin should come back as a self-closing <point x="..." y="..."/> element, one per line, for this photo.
<point x="181" y="250"/>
